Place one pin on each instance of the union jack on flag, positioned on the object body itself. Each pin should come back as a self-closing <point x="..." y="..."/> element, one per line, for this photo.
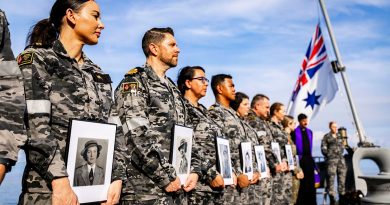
<point x="316" y="84"/>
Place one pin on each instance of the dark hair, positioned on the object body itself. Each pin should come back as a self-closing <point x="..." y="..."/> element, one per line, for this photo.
<point x="154" y="35"/>
<point x="86" y="151"/>
<point x="331" y="123"/>
<point x="46" y="31"/>
<point x="235" y="104"/>
<point x="301" y="117"/>
<point x="257" y="98"/>
<point x="217" y="80"/>
<point x="287" y="119"/>
<point x="186" y="73"/>
<point x="275" y="107"/>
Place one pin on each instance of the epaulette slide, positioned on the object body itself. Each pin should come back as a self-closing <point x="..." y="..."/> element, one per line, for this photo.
<point x="134" y="71"/>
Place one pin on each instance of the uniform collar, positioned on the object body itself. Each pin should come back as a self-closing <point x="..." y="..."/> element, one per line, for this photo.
<point x="59" y="49"/>
<point x="233" y="112"/>
<point x="151" y="73"/>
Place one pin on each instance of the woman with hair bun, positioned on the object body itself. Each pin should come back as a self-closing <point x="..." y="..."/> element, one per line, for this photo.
<point x="62" y="83"/>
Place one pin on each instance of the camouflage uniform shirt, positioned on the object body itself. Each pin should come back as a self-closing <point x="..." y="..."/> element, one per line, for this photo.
<point x="149" y="108"/>
<point x="265" y="137"/>
<point x="12" y="103"/>
<point x="332" y="147"/>
<point x="234" y="130"/>
<point x="57" y="90"/>
<point x="205" y="132"/>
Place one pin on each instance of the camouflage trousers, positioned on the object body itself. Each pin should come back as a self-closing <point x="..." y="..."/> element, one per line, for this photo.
<point x="279" y="196"/>
<point x="287" y="187"/>
<point x="294" y="189"/>
<point x="168" y="199"/>
<point x="265" y="191"/>
<point x="336" y="167"/>
<point x="231" y="196"/>
<point x="255" y="196"/>
<point x="205" y="198"/>
<point x="250" y="195"/>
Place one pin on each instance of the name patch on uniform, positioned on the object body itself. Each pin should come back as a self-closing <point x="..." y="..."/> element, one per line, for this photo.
<point x="130" y="87"/>
<point x="25" y="58"/>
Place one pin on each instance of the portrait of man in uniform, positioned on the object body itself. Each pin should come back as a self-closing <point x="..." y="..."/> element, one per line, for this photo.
<point x="90" y="172"/>
<point x="182" y="161"/>
<point x="225" y="161"/>
<point x="248" y="163"/>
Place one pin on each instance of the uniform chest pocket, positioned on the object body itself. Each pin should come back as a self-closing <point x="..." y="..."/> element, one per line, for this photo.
<point x="161" y="101"/>
<point x="65" y="92"/>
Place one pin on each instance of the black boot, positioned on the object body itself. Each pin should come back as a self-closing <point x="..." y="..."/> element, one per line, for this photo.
<point x="342" y="200"/>
<point x="332" y="200"/>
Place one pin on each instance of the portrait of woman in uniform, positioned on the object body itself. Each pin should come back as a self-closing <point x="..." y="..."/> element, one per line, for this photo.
<point x="90" y="172"/>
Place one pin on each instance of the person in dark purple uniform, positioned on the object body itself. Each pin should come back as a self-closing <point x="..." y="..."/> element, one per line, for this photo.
<point x="303" y="138"/>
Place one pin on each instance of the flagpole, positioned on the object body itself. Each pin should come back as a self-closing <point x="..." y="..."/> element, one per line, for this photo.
<point x="362" y="138"/>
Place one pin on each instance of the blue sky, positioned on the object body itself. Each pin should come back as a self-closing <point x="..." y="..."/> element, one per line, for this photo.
<point x="261" y="43"/>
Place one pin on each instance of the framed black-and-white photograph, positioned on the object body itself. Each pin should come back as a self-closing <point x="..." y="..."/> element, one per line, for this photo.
<point x="181" y="151"/>
<point x="261" y="160"/>
<point x="276" y="150"/>
<point x="246" y="159"/>
<point x="89" y="159"/>
<point x="224" y="160"/>
<point x="290" y="157"/>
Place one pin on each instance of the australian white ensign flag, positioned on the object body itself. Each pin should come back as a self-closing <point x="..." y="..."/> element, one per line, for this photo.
<point x="316" y="85"/>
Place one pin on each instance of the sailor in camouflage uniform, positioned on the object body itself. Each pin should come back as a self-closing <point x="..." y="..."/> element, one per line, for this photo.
<point x="332" y="148"/>
<point x="258" y="119"/>
<point x="150" y="105"/>
<point x="192" y="84"/>
<point x="61" y="84"/>
<point x="297" y="174"/>
<point x="12" y="103"/>
<point x="233" y="129"/>
<point x="282" y="181"/>
<point x="242" y="107"/>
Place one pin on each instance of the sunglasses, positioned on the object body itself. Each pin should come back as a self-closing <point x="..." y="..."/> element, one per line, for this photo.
<point x="203" y="79"/>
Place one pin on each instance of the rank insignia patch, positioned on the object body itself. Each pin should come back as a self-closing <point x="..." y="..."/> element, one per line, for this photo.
<point x="25" y="58"/>
<point x="130" y="87"/>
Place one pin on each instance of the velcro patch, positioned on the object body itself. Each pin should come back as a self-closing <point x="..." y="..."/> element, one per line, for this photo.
<point x="25" y="58"/>
<point x="130" y="87"/>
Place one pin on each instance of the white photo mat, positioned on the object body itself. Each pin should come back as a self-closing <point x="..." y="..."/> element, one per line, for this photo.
<point x="224" y="160"/>
<point x="181" y="151"/>
<point x="246" y="159"/>
<point x="80" y="133"/>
